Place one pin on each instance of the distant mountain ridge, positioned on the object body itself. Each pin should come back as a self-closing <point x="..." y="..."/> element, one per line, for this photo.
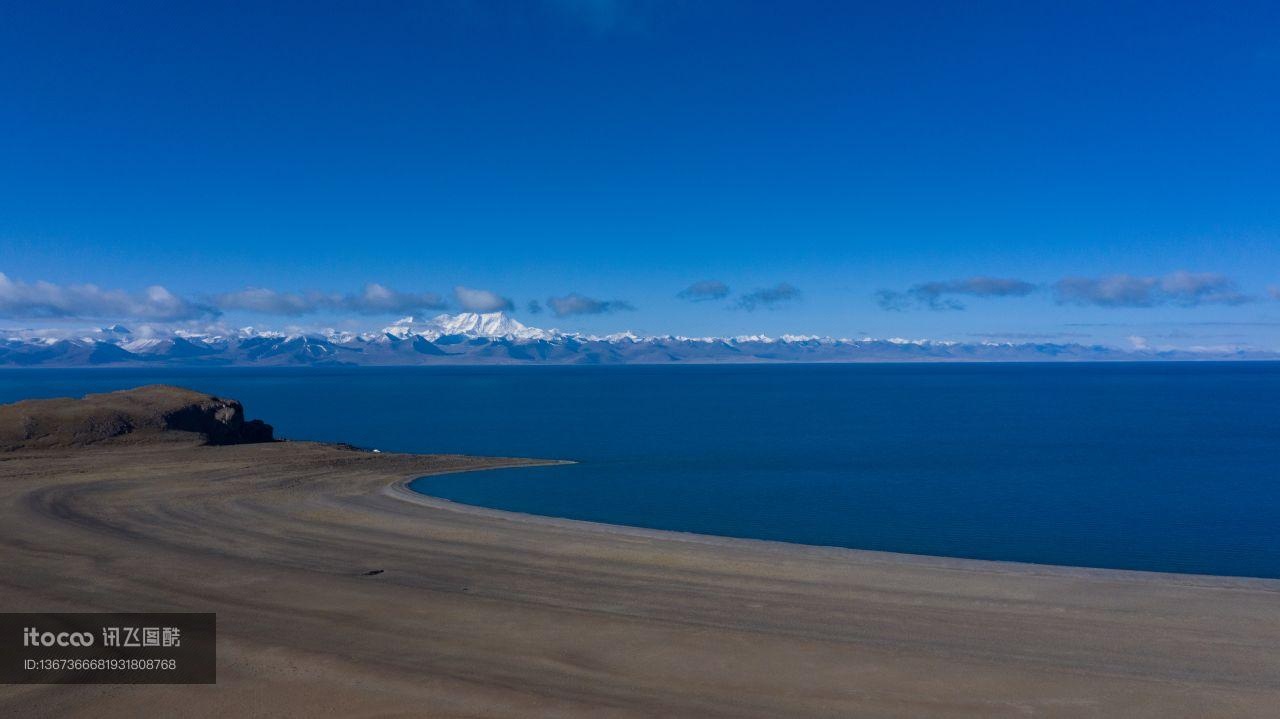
<point x="496" y="338"/>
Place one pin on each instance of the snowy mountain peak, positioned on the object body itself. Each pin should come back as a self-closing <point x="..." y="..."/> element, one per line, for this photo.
<point x="627" y="336"/>
<point x="470" y="324"/>
<point x="475" y="324"/>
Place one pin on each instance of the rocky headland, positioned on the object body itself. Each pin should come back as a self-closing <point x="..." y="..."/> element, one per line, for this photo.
<point x="147" y="413"/>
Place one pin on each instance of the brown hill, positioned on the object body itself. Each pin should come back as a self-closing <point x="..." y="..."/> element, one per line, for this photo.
<point x="151" y="413"/>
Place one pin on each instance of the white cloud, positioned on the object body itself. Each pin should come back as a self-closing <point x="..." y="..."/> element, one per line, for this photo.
<point x="704" y="291"/>
<point x="374" y="299"/>
<point x="474" y="300"/>
<point x="576" y="304"/>
<point x="768" y="297"/>
<point x="1187" y="289"/>
<point x="45" y="299"/>
<point x="270" y="302"/>
<point x="936" y="295"/>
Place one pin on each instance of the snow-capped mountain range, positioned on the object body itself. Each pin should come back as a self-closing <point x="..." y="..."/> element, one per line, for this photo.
<point x="496" y="338"/>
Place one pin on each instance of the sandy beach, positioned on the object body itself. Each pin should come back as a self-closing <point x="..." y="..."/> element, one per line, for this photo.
<point x="479" y="613"/>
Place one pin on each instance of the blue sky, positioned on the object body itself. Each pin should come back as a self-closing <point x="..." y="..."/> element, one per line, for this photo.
<point x="1078" y="171"/>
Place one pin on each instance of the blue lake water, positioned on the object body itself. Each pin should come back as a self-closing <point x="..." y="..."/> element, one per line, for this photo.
<point x="1167" y="467"/>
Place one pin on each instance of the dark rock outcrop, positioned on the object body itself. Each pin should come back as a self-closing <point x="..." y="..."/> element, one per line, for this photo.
<point x="151" y="413"/>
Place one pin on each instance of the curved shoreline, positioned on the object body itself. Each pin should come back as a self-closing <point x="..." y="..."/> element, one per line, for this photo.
<point x="483" y="613"/>
<point x="402" y="491"/>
